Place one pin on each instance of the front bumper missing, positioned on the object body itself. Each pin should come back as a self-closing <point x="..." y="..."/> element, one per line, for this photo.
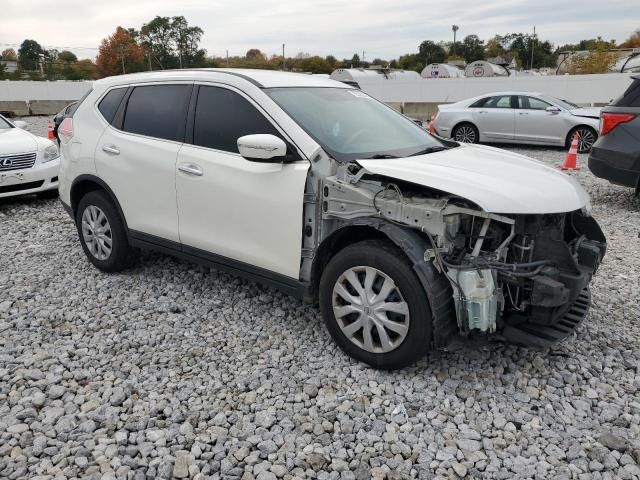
<point x="541" y="337"/>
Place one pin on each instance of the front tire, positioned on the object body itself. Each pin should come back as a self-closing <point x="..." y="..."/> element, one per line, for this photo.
<point x="466" y="133"/>
<point x="374" y="306"/>
<point x="102" y="233"/>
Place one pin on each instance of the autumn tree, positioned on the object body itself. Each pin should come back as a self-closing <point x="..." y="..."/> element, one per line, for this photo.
<point x="633" y="41"/>
<point x="9" y="54"/>
<point x="119" y="53"/>
<point x="598" y="60"/>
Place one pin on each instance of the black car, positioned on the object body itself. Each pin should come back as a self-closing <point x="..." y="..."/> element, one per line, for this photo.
<point x="60" y="116"/>
<point x="616" y="154"/>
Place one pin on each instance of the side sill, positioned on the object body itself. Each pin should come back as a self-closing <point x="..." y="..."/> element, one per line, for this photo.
<point x="286" y="284"/>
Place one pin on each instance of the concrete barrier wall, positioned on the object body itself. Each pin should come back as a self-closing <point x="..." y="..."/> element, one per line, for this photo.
<point x="13" y="108"/>
<point x="28" y="91"/>
<point x="580" y="89"/>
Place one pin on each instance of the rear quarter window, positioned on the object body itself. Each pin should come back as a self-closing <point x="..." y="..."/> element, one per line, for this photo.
<point x="110" y="103"/>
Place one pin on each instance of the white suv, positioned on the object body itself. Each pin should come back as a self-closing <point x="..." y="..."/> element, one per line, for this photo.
<point x="315" y="188"/>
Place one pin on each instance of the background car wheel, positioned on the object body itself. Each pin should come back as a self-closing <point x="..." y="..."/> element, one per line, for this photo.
<point x="466" y="133"/>
<point x="374" y="306"/>
<point x="588" y="137"/>
<point x="102" y="233"/>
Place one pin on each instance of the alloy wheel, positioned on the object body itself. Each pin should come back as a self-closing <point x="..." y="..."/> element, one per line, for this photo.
<point x="586" y="140"/>
<point x="465" y="134"/>
<point x="96" y="232"/>
<point x="370" y="309"/>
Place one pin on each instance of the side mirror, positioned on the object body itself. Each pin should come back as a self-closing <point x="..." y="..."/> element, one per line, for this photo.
<point x="20" y="124"/>
<point x="553" y="109"/>
<point x="262" y="147"/>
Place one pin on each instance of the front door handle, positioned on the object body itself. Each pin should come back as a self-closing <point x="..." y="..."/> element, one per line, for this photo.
<point x="112" y="149"/>
<point x="191" y="169"/>
<point x="523" y="113"/>
<point x="483" y="111"/>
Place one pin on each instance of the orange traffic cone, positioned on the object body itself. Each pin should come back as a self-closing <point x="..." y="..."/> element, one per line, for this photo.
<point x="50" y="134"/>
<point x="432" y="125"/>
<point x="570" y="161"/>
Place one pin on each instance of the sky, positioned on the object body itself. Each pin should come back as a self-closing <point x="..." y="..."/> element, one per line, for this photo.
<point x="338" y="27"/>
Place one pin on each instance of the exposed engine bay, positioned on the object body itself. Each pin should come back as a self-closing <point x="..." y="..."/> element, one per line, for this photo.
<point x="506" y="270"/>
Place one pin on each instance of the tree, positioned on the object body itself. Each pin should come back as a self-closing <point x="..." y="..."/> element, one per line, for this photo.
<point x="29" y="54"/>
<point x="254" y="53"/>
<point x="157" y="39"/>
<point x="599" y="60"/>
<point x="332" y="61"/>
<point x="315" y="65"/>
<point x="186" y="40"/>
<point x="411" y="61"/>
<point x="355" y="61"/>
<point x="522" y="45"/>
<point x="431" y="52"/>
<point x="472" y="48"/>
<point x="67" y="57"/>
<point x="118" y="54"/>
<point x="494" y="48"/>
<point x="9" y="54"/>
<point x="633" y="41"/>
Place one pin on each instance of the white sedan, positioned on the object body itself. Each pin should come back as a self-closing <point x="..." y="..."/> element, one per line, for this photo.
<point x="28" y="164"/>
<point x="518" y="117"/>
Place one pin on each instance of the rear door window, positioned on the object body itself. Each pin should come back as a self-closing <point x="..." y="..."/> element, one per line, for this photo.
<point x="503" y="101"/>
<point x="533" y="103"/>
<point x="158" y="111"/>
<point x="631" y="96"/>
<point x="222" y="116"/>
<point x="110" y="103"/>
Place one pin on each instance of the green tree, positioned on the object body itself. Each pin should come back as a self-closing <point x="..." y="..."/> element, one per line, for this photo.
<point x="254" y="53"/>
<point x="315" y="65"/>
<point x="472" y="48"/>
<point x="157" y="40"/>
<point x="67" y="56"/>
<point x="431" y="52"/>
<point x="355" y="61"/>
<point x="29" y="54"/>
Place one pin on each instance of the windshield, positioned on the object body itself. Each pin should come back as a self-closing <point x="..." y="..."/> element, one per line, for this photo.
<point x="350" y="125"/>
<point x="4" y="124"/>
<point x="567" y="105"/>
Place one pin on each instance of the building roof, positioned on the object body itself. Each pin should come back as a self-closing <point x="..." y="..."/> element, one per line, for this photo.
<point x="260" y="78"/>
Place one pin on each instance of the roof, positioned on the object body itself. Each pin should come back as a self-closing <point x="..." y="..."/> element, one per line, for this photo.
<point x="260" y="78"/>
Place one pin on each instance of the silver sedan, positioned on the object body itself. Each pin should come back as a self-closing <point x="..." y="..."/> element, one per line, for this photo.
<point x="518" y="117"/>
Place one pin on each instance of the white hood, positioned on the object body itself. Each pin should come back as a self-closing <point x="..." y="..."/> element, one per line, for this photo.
<point x="586" y="112"/>
<point x="15" y="140"/>
<point x="496" y="180"/>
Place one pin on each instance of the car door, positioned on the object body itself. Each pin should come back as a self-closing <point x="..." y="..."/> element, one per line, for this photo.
<point x="136" y="156"/>
<point x="246" y="211"/>
<point x="534" y="124"/>
<point x="495" y="118"/>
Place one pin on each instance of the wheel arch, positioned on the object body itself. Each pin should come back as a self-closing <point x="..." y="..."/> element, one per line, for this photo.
<point x="413" y="245"/>
<point x="84" y="184"/>
<point x="466" y="121"/>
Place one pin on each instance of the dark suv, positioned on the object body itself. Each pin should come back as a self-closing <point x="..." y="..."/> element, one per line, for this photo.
<point x="616" y="154"/>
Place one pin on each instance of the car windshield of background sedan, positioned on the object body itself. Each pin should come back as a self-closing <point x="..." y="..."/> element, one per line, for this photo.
<point x="4" y="124"/>
<point x="351" y="125"/>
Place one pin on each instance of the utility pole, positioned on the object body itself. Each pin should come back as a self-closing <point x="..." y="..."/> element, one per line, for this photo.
<point x="284" y="59"/>
<point x="122" y="57"/>
<point x="362" y="58"/>
<point x="453" y="48"/>
<point x="533" y="46"/>
<point x="227" y="57"/>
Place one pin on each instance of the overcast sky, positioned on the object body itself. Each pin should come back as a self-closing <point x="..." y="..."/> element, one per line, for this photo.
<point x="338" y="27"/>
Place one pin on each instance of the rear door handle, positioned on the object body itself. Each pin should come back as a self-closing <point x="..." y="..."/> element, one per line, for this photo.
<point x="523" y="113"/>
<point x="191" y="169"/>
<point x="112" y="149"/>
<point x="483" y="111"/>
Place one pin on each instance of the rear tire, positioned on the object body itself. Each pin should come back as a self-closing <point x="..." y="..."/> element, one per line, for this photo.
<point x="588" y="137"/>
<point x="387" y="300"/>
<point x="102" y="233"/>
<point x="466" y="133"/>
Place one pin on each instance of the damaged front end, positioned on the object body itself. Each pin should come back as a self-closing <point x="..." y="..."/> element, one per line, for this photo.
<point x="523" y="276"/>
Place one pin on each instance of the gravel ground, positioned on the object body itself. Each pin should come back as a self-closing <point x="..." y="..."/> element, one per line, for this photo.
<point x="175" y="370"/>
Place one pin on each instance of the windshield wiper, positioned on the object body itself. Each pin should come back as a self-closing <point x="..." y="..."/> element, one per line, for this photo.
<point x="381" y="155"/>
<point x="429" y="150"/>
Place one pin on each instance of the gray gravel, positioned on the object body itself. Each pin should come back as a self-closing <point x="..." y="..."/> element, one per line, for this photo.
<point x="174" y="370"/>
